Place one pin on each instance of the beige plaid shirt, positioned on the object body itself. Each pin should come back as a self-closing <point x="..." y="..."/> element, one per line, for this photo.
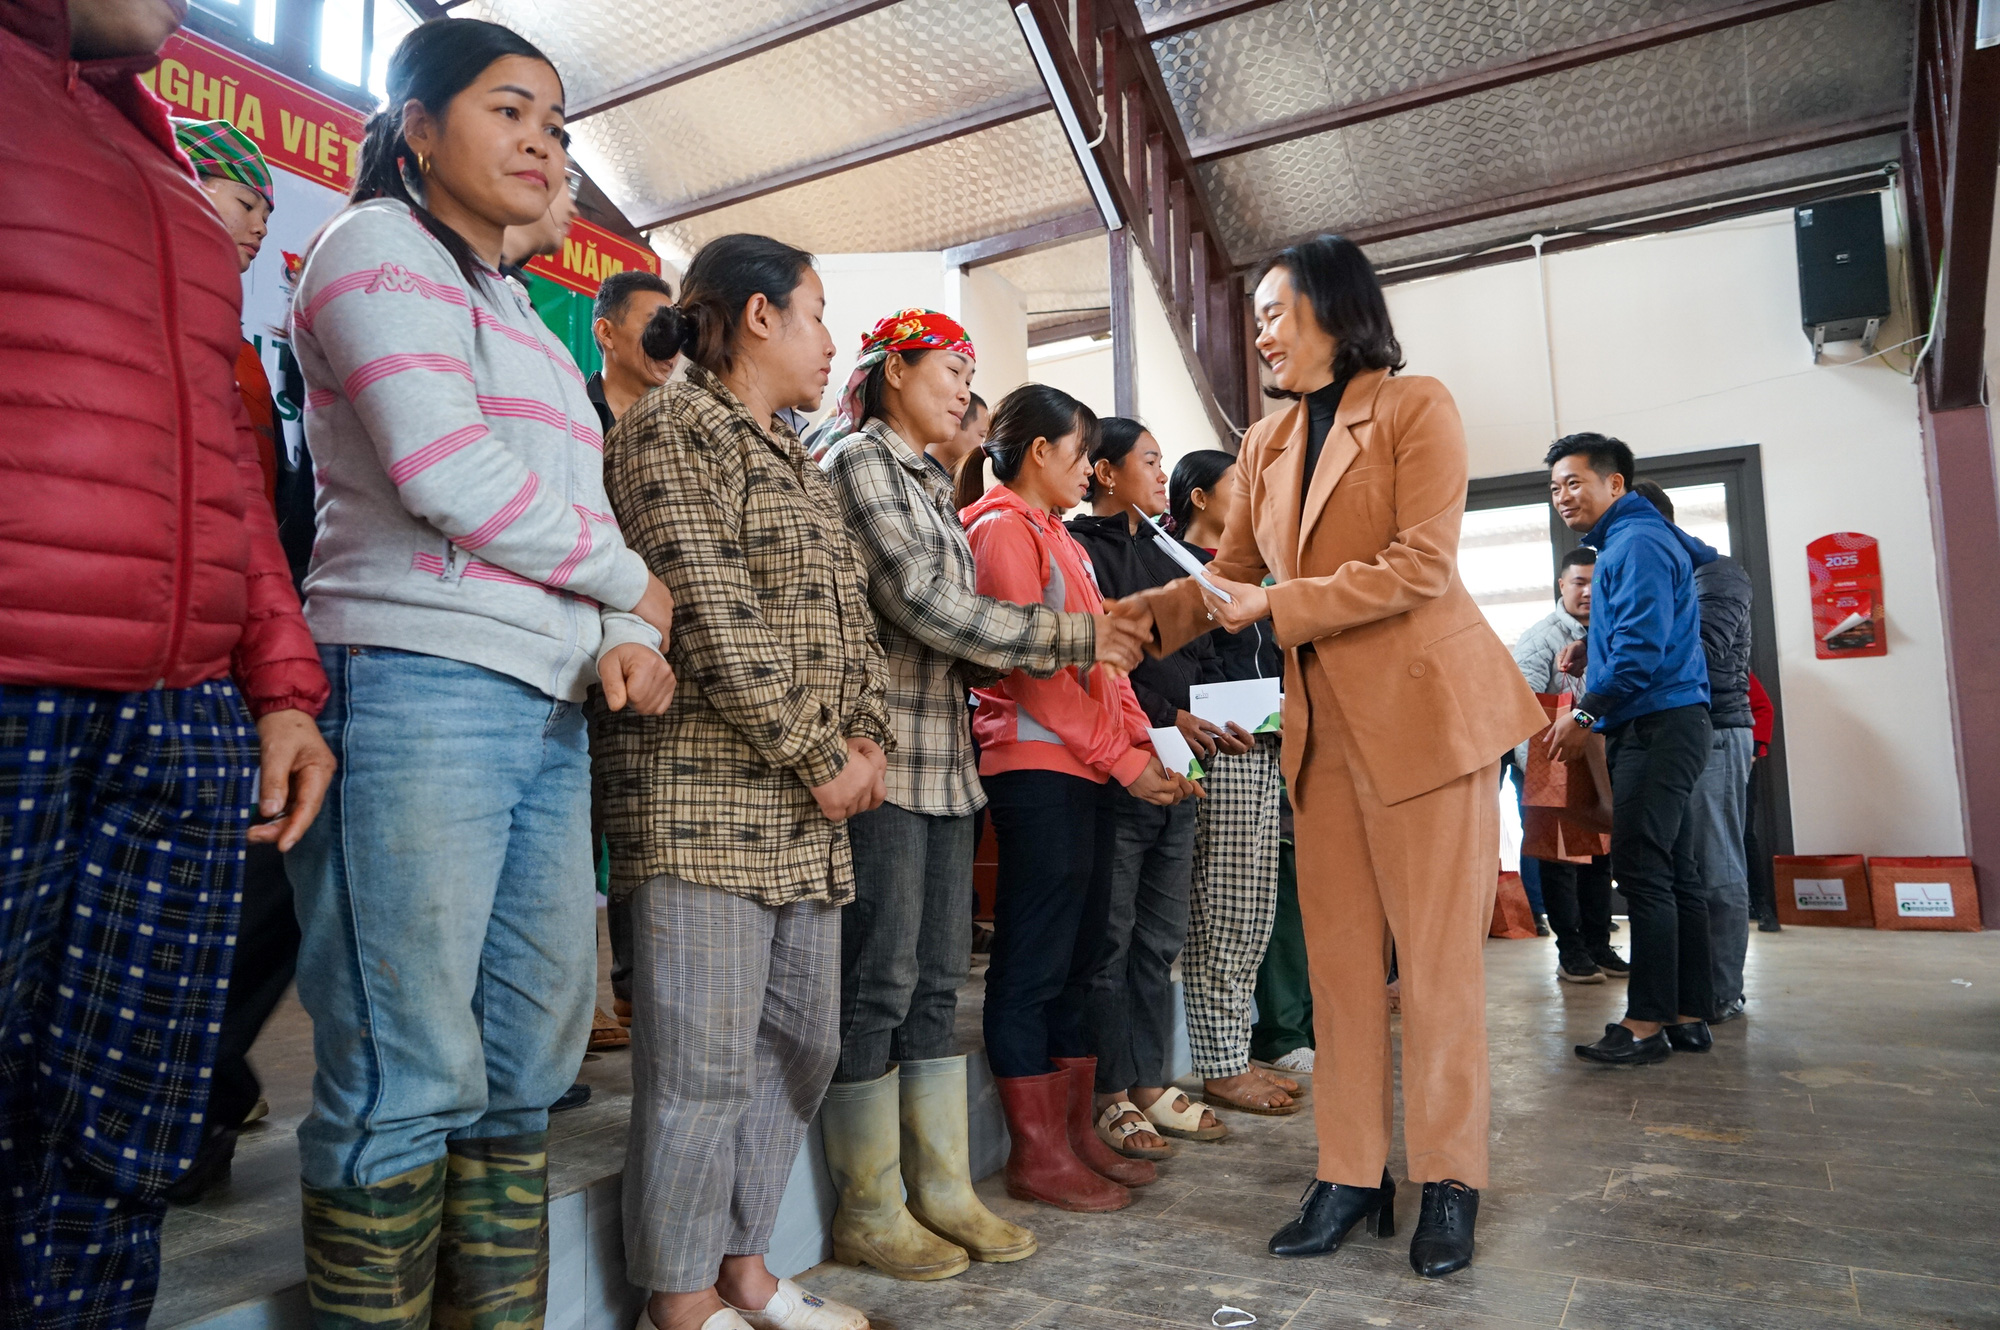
<point x="940" y="635"/>
<point x="773" y="644"/>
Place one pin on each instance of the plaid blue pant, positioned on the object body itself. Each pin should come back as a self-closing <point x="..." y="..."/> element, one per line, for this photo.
<point x="122" y="818"/>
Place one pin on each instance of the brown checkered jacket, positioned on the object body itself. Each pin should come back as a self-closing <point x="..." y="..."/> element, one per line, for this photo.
<point x="774" y="645"/>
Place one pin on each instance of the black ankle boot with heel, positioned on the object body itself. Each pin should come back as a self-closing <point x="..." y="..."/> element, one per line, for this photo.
<point x="1329" y="1210"/>
<point x="1443" y="1240"/>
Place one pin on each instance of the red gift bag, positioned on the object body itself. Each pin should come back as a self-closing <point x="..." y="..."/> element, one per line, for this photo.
<point x="1511" y="916"/>
<point x="1567" y="812"/>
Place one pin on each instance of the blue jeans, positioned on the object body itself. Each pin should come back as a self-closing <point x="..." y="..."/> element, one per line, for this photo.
<point x="447" y="909"/>
<point x="1531" y="869"/>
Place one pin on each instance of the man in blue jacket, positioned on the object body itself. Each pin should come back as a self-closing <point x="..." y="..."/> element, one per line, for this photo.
<point x="1646" y="688"/>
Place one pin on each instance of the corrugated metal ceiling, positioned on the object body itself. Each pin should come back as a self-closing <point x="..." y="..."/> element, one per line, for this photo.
<point x="913" y="70"/>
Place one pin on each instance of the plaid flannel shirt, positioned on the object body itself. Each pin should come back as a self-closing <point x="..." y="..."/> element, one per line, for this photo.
<point x="940" y="635"/>
<point x="773" y="644"/>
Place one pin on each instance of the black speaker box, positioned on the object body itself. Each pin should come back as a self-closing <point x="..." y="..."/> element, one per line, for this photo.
<point x="1843" y="267"/>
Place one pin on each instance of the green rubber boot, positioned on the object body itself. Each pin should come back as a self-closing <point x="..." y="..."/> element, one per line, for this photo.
<point x="371" y="1252"/>
<point x="493" y="1253"/>
<point x="863" y="1149"/>
<point x="937" y="1158"/>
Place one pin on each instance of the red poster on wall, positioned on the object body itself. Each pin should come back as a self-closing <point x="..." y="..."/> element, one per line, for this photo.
<point x="1846" y="573"/>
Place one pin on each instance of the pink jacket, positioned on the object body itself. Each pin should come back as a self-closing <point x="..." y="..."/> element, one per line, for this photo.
<point x="1079" y="723"/>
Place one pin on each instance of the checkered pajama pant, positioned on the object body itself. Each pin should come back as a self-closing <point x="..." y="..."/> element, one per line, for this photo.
<point x="1234" y="899"/>
<point x="122" y="818"/>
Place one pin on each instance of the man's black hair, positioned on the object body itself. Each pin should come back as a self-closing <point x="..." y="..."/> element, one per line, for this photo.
<point x="1606" y="455"/>
<point x="972" y="410"/>
<point x="620" y="287"/>
<point x="1650" y="491"/>
<point x="1583" y="556"/>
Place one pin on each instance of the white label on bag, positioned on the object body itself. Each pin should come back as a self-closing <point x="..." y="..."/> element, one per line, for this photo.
<point x="1819" y="893"/>
<point x="1924" y="900"/>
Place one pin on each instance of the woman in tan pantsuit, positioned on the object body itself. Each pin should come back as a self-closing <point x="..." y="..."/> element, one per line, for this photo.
<point x="1399" y="701"/>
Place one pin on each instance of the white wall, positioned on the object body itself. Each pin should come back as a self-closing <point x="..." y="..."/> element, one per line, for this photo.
<point x="1085" y="375"/>
<point x="1689" y="341"/>
<point x="995" y="315"/>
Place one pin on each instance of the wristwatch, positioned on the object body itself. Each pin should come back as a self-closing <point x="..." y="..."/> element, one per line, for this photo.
<point x="1583" y="718"/>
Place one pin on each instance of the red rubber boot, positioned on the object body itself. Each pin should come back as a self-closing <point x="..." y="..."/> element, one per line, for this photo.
<point x="1042" y="1166"/>
<point x="1083" y="1137"/>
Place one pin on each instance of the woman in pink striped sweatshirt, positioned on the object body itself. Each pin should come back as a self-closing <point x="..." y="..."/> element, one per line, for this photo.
<point x="467" y="587"/>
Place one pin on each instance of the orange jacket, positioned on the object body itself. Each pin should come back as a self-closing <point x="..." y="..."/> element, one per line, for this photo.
<point x="1079" y="723"/>
<point x="1366" y="565"/>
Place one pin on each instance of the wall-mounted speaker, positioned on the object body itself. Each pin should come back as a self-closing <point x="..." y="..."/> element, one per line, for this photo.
<point x="1843" y="270"/>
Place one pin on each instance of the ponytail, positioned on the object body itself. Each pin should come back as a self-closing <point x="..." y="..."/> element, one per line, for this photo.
<point x="718" y="285"/>
<point x="433" y="64"/>
<point x="1032" y="411"/>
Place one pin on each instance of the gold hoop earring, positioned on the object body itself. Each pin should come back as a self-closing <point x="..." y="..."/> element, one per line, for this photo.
<point x="423" y="164"/>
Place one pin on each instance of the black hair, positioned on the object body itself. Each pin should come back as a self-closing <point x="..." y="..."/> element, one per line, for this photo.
<point x="717" y="285"/>
<point x="878" y="379"/>
<point x="1650" y="491"/>
<point x="1334" y="275"/>
<point x="1116" y="437"/>
<point x="433" y="64"/>
<point x="1199" y="470"/>
<point x="972" y="409"/>
<point x="619" y="288"/>
<point x="1606" y="455"/>
<point x="1032" y="411"/>
<point x="1583" y="556"/>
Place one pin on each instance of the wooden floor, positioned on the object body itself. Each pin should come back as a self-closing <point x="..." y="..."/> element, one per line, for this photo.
<point x="1834" y="1162"/>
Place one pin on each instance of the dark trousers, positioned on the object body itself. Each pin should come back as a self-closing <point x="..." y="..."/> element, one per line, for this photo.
<point x="905" y="940"/>
<point x="267" y="955"/>
<point x="1284" y="984"/>
<point x="1047" y="827"/>
<point x="122" y="818"/>
<point x="1763" y="894"/>
<point x="1531" y="869"/>
<point x="1119" y="1003"/>
<point x="1655" y="762"/>
<point x="1579" y="901"/>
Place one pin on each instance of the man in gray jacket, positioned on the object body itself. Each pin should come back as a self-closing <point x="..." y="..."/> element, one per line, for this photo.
<point x="1578" y="896"/>
<point x="1721" y="796"/>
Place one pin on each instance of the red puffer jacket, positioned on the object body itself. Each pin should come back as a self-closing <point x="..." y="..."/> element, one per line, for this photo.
<point x="136" y="547"/>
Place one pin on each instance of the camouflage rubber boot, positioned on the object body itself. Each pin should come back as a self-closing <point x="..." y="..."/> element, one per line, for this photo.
<point x="371" y="1252"/>
<point x="493" y="1256"/>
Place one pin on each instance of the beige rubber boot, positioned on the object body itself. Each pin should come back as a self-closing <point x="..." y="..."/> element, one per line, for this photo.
<point x="871" y="1227"/>
<point x="937" y="1165"/>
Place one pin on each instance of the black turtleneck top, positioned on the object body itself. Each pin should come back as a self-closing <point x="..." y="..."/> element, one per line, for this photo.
<point x="1321" y="406"/>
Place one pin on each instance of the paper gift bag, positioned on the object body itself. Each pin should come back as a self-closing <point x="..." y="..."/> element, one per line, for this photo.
<point x="1567" y="812"/>
<point x="1511" y="916"/>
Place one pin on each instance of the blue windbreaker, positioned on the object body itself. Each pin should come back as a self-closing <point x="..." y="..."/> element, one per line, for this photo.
<point x="1645" y="623"/>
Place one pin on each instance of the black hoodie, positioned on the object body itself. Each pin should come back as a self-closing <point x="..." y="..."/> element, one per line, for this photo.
<point x="1126" y="562"/>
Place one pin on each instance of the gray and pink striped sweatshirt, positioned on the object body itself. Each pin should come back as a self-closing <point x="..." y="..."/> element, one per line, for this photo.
<point x="460" y="495"/>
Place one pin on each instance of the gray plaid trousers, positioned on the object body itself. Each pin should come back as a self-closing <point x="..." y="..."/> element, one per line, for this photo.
<point x="1234" y="899"/>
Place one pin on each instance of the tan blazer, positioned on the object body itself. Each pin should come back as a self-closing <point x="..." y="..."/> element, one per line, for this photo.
<point x="1367" y="575"/>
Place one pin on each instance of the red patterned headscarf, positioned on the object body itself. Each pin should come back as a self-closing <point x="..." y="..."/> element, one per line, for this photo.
<point x="905" y="330"/>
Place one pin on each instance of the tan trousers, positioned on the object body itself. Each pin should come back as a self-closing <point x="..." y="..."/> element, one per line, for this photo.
<point x="1422" y="872"/>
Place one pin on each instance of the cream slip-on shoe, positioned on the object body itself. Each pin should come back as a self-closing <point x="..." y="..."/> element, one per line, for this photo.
<point x="792" y="1308"/>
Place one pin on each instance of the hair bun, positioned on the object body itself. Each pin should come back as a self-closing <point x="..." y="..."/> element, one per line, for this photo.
<point x="671" y="330"/>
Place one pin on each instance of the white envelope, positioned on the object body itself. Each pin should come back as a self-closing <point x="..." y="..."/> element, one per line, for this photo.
<point x="1252" y="703"/>
<point x="1174" y="753"/>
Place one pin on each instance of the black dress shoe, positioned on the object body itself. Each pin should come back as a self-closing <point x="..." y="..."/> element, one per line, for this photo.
<point x="1610" y="962"/>
<point x="1541" y="925"/>
<point x="211" y="1167"/>
<point x="1731" y="1010"/>
<point x="1621" y="1047"/>
<point x="1443" y="1241"/>
<point x="575" y="1097"/>
<point x="1689" y="1037"/>
<point x="1328" y="1210"/>
<point x="1769" y="924"/>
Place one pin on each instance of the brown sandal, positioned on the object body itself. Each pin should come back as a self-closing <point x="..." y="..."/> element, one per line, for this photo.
<point x="1215" y="1096"/>
<point x="606" y="1033"/>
